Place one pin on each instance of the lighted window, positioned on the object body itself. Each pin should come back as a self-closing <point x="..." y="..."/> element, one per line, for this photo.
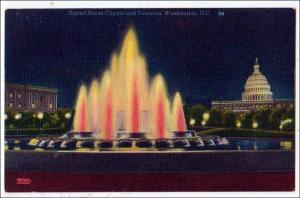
<point x="11" y="95"/>
<point x="33" y="105"/>
<point x="50" y="105"/>
<point x="19" y="105"/>
<point x="19" y="95"/>
<point x="11" y="105"/>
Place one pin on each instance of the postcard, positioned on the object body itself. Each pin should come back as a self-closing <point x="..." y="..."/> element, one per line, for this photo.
<point x="198" y="99"/>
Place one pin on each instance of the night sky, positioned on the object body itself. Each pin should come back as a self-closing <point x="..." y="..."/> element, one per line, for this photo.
<point x="205" y="57"/>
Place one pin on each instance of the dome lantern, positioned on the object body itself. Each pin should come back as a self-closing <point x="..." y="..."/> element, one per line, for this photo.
<point x="256" y="66"/>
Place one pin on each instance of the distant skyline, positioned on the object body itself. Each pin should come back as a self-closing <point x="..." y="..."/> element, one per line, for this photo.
<point x="205" y="57"/>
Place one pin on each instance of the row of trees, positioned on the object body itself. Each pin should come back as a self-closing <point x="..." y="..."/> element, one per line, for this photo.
<point x="62" y="118"/>
<point x="265" y="118"/>
<point x="272" y="119"/>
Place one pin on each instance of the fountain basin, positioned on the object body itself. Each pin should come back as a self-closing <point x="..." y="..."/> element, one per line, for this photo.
<point x="144" y="143"/>
<point x="180" y="143"/>
<point x="162" y="144"/>
<point x="124" y="143"/>
<point x="68" y="144"/>
<point x="85" y="143"/>
<point x="137" y="135"/>
<point x="106" y="144"/>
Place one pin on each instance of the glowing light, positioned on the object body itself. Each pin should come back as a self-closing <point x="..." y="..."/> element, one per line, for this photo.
<point x="40" y="115"/>
<point x="178" y="118"/>
<point x="284" y="122"/>
<point x="254" y="125"/>
<point x="203" y="123"/>
<point x="205" y="116"/>
<point x="192" y="122"/>
<point x="18" y="116"/>
<point x="5" y="116"/>
<point x="238" y="124"/>
<point x="68" y="115"/>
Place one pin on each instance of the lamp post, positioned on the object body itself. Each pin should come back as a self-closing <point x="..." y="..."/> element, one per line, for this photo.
<point x="203" y="124"/>
<point x="17" y="117"/>
<point x="40" y="116"/>
<point x="68" y="116"/>
<point x="254" y="125"/>
<point x="238" y="124"/>
<point x="192" y="122"/>
<point x="205" y="117"/>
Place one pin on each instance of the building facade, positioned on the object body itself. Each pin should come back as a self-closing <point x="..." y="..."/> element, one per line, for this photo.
<point x="30" y="98"/>
<point x="257" y="94"/>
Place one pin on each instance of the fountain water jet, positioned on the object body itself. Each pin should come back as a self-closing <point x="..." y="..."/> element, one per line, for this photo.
<point x="160" y="108"/>
<point x="125" y="102"/>
<point x="94" y="106"/>
<point x="106" y="107"/>
<point x="178" y="119"/>
<point x="80" y="123"/>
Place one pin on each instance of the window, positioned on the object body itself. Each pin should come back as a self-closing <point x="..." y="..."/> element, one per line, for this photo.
<point x="11" y="95"/>
<point x="11" y="105"/>
<point x="19" y="95"/>
<point x="50" y="106"/>
<point x="33" y="105"/>
<point x="19" y="105"/>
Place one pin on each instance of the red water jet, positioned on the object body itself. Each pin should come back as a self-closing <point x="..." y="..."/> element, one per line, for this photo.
<point x="160" y="117"/>
<point x="135" y="105"/>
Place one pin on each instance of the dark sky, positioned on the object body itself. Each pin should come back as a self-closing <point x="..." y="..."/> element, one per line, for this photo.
<point x="205" y="57"/>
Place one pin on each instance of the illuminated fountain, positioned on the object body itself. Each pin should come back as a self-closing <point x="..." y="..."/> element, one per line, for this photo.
<point x="124" y="102"/>
<point x="178" y="122"/>
<point x="80" y="123"/>
<point x="94" y="107"/>
<point x="178" y="119"/>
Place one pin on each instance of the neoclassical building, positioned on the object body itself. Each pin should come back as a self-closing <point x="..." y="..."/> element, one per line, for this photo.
<point x="257" y="94"/>
<point x="22" y="98"/>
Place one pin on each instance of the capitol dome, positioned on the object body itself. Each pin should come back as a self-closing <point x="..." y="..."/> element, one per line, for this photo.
<point x="257" y="87"/>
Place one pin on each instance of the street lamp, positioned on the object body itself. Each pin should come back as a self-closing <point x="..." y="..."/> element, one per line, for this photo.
<point x="205" y="116"/>
<point x="192" y="122"/>
<point x="254" y="125"/>
<point x="203" y="123"/>
<point x="238" y="124"/>
<point x="40" y="116"/>
<point x="68" y="115"/>
<point x="17" y="117"/>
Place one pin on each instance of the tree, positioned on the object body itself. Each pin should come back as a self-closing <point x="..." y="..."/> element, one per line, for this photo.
<point x="215" y="118"/>
<point x="246" y="120"/>
<point x="196" y="113"/>
<point x="288" y="115"/>
<point x="187" y="114"/>
<point x="276" y="116"/>
<point x="10" y="119"/>
<point x="261" y="117"/>
<point x="229" y="119"/>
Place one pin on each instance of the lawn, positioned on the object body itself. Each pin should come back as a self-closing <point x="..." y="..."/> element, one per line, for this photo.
<point x="233" y="132"/>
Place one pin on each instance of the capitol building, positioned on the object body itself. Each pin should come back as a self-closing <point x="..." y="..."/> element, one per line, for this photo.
<point x="257" y="94"/>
